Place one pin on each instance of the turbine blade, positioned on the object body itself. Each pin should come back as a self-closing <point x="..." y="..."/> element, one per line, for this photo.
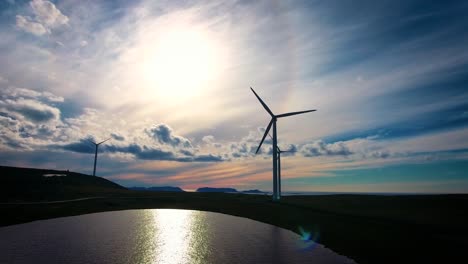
<point x="94" y="143"/>
<point x="263" y="103"/>
<point x="103" y="141"/>
<point x="264" y="135"/>
<point x="295" y="113"/>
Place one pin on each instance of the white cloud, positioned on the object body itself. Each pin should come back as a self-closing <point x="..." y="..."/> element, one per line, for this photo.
<point x="208" y="139"/>
<point x="48" y="14"/>
<point x="26" y="24"/>
<point x="14" y="92"/>
<point x="46" y="17"/>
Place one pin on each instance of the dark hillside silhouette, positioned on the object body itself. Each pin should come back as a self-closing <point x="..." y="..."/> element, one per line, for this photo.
<point x="27" y="184"/>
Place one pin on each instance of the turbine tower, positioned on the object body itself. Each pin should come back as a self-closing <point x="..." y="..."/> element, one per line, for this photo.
<point x="279" y="165"/>
<point x="95" y="153"/>
<point x="273" y="120"/>
<point x="279" y="168"/>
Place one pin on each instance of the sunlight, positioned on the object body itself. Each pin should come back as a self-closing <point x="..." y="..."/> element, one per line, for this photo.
<point x="181" y="63"/>
<point x="174" y="235"/>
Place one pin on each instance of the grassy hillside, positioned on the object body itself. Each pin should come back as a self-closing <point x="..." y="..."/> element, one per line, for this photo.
<point x="26" y="184"/>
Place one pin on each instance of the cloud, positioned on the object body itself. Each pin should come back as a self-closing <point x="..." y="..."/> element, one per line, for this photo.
<point x="320" y="148"/>
<point x="29" y="118"/>
<point x="208" y="158"/>
<point x="32" y="110"/>
<point x="46" y="17"/>
<point x="117" y="137"/>
<point x="186" y="152"/>
<point x="147" y="153"/>
<point x="83" y="146"/>
<point x="165" y="135"/>
<point x="48" y="14"/>
<point x="156" y="153"/>
<point x="28" y="25"/>
<point x="26" y="104"/>
<point x="208" y="139"/>
<point x="23" y="93"/>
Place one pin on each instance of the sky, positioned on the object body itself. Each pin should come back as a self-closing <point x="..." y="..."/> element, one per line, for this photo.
<point x="168" y="83"/>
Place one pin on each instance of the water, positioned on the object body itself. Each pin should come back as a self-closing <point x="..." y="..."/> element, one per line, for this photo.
<point x="157" y="236"/>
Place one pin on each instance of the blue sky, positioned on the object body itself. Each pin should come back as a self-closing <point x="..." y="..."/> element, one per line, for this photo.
<point x="168" y="82"/>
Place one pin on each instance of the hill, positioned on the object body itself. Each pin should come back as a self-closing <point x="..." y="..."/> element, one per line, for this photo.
<point x="223" y="190"/>
<point x="27" y="184"/>
<point x="157" y="189"/>
<point x="256" y="191"/>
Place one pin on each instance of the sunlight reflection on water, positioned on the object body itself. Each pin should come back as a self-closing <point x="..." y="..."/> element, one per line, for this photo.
<point x="173" y="238"/>
<point x="159" y="236"/>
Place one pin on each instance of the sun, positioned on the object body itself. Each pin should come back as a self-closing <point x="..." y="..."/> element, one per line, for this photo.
<point x="180" y="63"/>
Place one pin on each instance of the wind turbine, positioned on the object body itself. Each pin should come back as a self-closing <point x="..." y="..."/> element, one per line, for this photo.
<point x="273" y="120"/>
<point x="95" y="153"/>
<point x="279" y="165"/>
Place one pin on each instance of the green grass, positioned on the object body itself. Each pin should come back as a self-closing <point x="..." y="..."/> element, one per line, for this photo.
<point x="366" y="228"/>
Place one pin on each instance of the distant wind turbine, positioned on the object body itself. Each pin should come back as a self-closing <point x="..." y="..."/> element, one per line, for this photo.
<point x="95" y="153"/>
<point x="279" y="165"/>
<point x="273" y="120"/>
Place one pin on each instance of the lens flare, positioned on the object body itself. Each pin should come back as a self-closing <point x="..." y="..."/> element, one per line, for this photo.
<point x="308" y="239"/>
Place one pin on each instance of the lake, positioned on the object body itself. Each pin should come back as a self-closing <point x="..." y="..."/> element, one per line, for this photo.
<point x="157" y="236"/>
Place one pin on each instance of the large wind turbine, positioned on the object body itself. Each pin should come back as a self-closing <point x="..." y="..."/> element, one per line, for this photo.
<point x="273" y="120"/>
<point x="95" y="153"/>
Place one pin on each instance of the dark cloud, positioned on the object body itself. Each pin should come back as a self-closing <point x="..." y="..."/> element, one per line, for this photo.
<point x="30" y="110"/>
<point x="117" y="137"/>
<point x="27" y="116"/>
<point x="380" y="154"/>
<point x="153" y="153"/>
<point x="35" y="114"/>
<point x="248" y="145"/>
<point x="208" y="158"/>
<point x="320" y="148"/>
<point x="83" y="146"/>
<point x="165" y="135"/>
<point x="131" y="148"/>
<point x="186" y="152"/>
<point x="290" y="150"/>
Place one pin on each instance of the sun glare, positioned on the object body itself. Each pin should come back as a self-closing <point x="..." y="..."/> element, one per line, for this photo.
<point x="181" y="63"/>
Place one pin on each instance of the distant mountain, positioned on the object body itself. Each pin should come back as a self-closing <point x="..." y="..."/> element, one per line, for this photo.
<point x="256" y="191"/>
<point x="224" y="190"/>
<point x="158" y="189"/>
<point x="27" y="184"/>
